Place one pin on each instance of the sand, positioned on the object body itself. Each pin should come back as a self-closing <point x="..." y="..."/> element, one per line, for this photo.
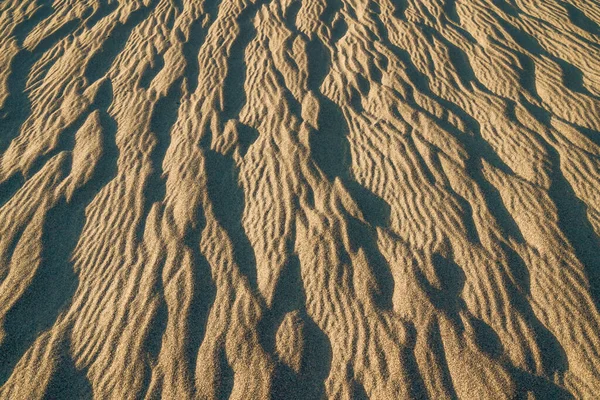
<point x="299" y="199"/>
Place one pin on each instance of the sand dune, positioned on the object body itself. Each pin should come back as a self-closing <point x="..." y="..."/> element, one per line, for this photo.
<point x="299" y="199"/>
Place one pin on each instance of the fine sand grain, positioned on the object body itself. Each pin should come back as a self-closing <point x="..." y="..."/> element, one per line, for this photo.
<point x="299" y="199"/>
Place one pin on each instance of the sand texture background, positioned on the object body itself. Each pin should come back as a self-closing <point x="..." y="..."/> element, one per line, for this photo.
<point x="298" y="199"/>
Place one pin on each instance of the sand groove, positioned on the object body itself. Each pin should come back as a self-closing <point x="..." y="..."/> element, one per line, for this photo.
<point x="299" y="199"/>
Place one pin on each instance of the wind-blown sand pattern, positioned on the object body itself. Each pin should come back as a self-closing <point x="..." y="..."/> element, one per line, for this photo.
<point x="299" y="199"/>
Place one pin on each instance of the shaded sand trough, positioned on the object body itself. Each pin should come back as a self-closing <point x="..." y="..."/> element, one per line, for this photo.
<point x="299" y="199"/>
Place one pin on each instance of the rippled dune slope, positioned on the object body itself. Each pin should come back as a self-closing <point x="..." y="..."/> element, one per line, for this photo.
<point x="299" y="199"/>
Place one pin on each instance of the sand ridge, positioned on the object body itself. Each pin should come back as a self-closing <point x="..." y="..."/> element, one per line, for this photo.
<point x="299" y="199"/>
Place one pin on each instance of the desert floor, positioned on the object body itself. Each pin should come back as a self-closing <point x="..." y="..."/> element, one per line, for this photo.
<point x="298" y="199"/>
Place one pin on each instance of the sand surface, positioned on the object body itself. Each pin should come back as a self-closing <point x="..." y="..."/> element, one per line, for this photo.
<point x="299" y="199"/>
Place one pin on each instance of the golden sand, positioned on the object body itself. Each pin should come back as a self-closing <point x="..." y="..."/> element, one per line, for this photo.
<point x="299" y="199"/>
